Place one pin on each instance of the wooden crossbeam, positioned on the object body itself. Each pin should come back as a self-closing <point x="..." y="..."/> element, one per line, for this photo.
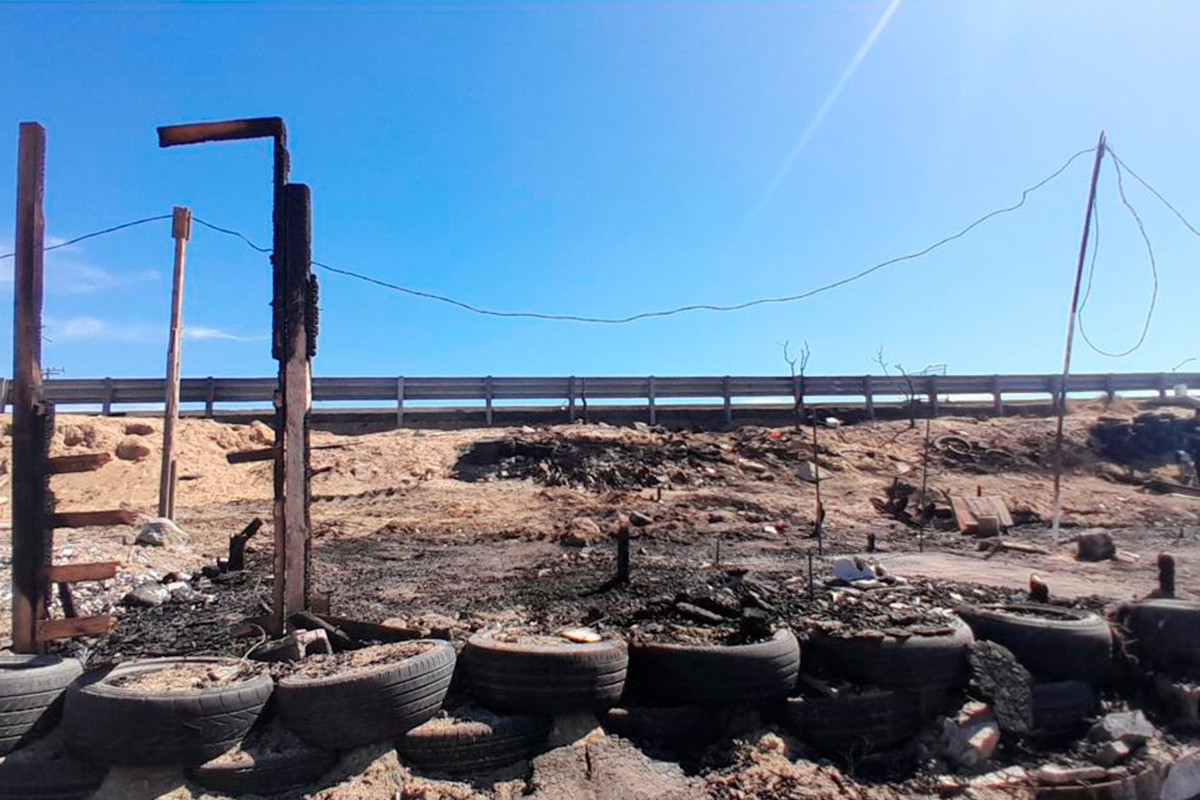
<point x="87" y="519"/>
<point x="86" y="462"/>
<point x="73" y="573"/>
<point x="51" y="629"/>
<point x="247" y="456"/>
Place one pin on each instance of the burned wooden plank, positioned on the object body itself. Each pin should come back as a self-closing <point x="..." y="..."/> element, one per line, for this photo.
<point x="87" y="519"/>
<point x="51" y="629"/>
<point x="84" y="462"/>
<point x="73" y="573"/>
<point x="237" y="545"/>
<point x="227" y="130"/>
<point x="248" y="456"/>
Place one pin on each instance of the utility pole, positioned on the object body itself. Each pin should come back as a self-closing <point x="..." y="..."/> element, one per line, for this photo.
<point x="1062" y="389"/>
<point x="181" y="231"/>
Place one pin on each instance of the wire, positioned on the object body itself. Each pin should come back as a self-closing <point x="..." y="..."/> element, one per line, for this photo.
<point x="94" y="234"/>
<point x="241" y="236"/>
<point x="1154" y="192"/>
<point x="1153" y="273"/>
<point x="705" y="306"/>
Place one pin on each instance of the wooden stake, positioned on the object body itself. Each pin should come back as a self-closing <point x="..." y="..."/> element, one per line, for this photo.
<point x="30" y="534"/>
<point x="819" y="524"/>
<point x="1062" y="389"/>
<point x="181" y="231"/>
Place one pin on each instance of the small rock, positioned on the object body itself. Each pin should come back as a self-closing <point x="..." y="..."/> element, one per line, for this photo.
<point x="154" y="533"/>
<point x="1183" y="779"/>
<point x="583" y="531"/>
<point x="580" y="635"/>
<point x="751" y="466"/>
<point x="131" y="449"/>
<point x="833" y="422"/>
<point x="184" y="593"/>
<point x="969" y="739"/>
<point x="1130" y="727"/>
<point x="640" y="519"/>
<point x="148" y="595"/>
<point x="1110" y="754"/>
<point x="139" y="429"/>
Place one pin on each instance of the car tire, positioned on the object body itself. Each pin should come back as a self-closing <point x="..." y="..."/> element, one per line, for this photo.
<point x="1053" y="643"/>
<point x="1165" y="633"/>
<point x="545" y="678"/>
<point x="706" y="675"/>
<point x="341" y="712"/>
<point x="854" y="724"/>
<point x="31" y="694"/>
<point x="111" y="725"/>
<point x="907" y="663"/>
<point x="473" y="744"/>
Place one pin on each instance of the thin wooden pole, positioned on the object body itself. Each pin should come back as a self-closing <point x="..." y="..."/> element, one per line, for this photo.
<point x="1062" y="389"/>
<point x="30" y="546"/>
<point x="819" y="526"/>
<point x="181" y="231"/>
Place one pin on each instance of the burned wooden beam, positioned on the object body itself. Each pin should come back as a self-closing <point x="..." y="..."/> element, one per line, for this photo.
<point x="248" y="456"/>
<point x="224" y="131"/>
<point x="87" y="519"/>
<point x="51" y="629"/>
<point x="73" y="573"/>
<point x="237" y="545"/>
<point x="85" y="462"/>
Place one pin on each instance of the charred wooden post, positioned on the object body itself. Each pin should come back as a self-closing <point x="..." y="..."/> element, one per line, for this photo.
<point x="1166" y="575"/>
<point x="237" y="545"/>
<point x="31" y="500"/>
<point x="292" y="426"/>
<point x="623" y="553"/>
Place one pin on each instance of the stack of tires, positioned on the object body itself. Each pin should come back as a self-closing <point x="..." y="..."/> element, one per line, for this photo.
<point x="1068" y="651"/>
<point x="207" y="731"/>
<point x="899" y="680"/>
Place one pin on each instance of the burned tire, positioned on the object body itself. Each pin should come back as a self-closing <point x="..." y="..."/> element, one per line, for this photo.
<point x="545" y="678"/>
<point x="341" y="712"/>
<point x="1143" y="785"/>
<point x="262" y="769"/>
<point x="51" y="775"/>
<point x="854" y="724"/>
<point x="910" y="663"/>
<point x="31" y="693"/>
<point x="473" y="742"/>
<point x="111" y="725"/>
<point x="1051" y="642"/>
<point x="1061" y="708"/>
<point x="703" y="675"/>
<point x="1165" y="633"/>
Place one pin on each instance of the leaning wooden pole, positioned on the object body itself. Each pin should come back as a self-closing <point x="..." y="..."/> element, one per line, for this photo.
<point x="30" y="496"/>
<point x="181" y="231"/>
<point x="1062" y="389"/>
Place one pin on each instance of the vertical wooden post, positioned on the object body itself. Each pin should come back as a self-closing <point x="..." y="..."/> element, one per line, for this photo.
<point x="400" y="402"/>
<point x="653" y="410"/>
<point x="798" y="398"/>
<point x="1062" y="393"/>
<point x="870" y="396"/>
<point x="181" y="231"/>
<point x="30" y="532"/>
<point x="1109" y="391"/>
<point x="487" y="385"/>
<point x="1162" y="386"/>
<point x="295" y="395"/>
<point x="997" y="397"/>
<point x="933" y="397"/>
<point x="571" y="398"/>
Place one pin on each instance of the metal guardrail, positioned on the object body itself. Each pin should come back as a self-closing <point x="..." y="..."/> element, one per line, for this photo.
<point x="110" y="392"/>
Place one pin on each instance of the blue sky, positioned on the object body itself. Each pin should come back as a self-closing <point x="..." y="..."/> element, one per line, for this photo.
<point x="607" y="159"/>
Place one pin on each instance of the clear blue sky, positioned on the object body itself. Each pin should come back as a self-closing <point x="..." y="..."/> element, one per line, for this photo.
<point x="610" y="158"/>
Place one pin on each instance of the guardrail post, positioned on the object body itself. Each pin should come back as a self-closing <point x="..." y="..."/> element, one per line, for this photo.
<point x="869" y="396"/>
<point x="653" y="411"/>
<point x="571" y="398"/>
<point x="997" y="397"/>
<point x="798" y="396"/>
<point x="3" y="394"/>
<point x="1058" y="392"/>
<point x="210" y="396"/>
<point x="107" y="403"/>
<point x="933" y="398"/>
<point x="400" y="402"/>
<point x="488" y="397"/>
<point x="1162" y="387"/>
<point x="728" y="398"/>
<point x="583" y="397"/>
<point x="1109" y="391"/>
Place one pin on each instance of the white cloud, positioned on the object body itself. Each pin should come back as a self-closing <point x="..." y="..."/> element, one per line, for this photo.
<point x="95" y="329"/>
<point x="204" y="333"/>
<point x="68" y="272"/>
